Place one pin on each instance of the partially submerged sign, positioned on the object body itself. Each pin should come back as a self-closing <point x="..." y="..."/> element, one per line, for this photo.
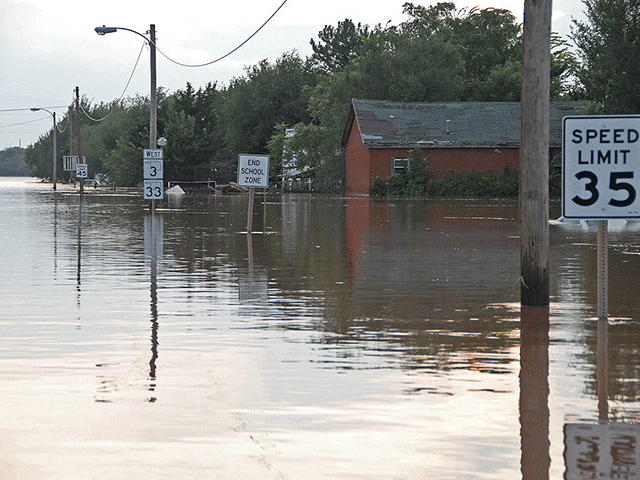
<point x="153" y="173"/>
<point x="253" y="171"/>
<point x="601" y="167"/>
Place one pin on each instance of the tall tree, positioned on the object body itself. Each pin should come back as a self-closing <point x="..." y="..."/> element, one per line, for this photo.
<point x="269" y="94"/>
<point x="608" y="44"/>
<point x="338" y="46"/>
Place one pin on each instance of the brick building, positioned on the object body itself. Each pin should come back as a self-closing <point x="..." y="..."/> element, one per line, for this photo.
<point x="458" y="137"/>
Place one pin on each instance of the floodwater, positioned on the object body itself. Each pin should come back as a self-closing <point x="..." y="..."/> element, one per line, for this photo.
<point x="346" y="338"/>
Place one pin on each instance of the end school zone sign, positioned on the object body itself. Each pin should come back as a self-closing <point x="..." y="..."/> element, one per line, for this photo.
<point x="253" y="171"/>
<point x="601" y="167"/>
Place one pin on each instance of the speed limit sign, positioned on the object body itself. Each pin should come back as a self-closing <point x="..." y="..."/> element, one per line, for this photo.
<point x="601" y="167"/>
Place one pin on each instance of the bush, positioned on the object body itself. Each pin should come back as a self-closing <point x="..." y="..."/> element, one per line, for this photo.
<point x="417" y="184"/>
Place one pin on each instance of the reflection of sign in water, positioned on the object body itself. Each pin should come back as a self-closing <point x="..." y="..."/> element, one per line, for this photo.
<point x="153" y="235"/>
<point x="602" y="451"/>
<point x="253" y="286"/>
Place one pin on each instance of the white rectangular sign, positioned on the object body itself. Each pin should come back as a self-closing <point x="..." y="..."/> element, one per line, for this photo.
<point x="152" y="154"/>
<point x="82" y="170"/>
<point x="153" y="190"/>
<point x="69" y="162"/>
<point x="601" y="167"/>
<point x="152" y="169"/>
<point x="602" y="451"/>
<point x="253" y="171"/>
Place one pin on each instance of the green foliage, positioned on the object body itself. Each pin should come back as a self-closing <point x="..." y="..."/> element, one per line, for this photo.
<point x="12" y="163"/>
<point x="438" y="54"/>
<point x="269" y="94"/>
<point x="608" y="44"/>
<point x="415" y="183"/>
<point x="338" y="46"/>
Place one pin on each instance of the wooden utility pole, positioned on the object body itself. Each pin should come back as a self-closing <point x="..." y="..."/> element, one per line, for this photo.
<point x="153" y="100"/>
<point x="534" y="154"/>
<point x="79" y="136"/>
<point x="72" y="174"/>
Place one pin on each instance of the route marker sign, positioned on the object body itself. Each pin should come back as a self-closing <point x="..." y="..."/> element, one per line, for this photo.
<point x="152" y="153"/>
<point x="601" y="167"/>
<point x="153" y="169"/>
<point x="153" y="189"/>
<point x="153" y="174"/>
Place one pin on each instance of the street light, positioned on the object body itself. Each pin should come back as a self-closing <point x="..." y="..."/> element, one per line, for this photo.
<point x="55" y="127"/>
<point x="153" y="110"/>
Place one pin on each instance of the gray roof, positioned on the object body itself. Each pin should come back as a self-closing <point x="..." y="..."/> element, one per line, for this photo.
<point x="458" y="124"/>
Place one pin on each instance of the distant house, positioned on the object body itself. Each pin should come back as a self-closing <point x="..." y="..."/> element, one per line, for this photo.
<point x="458" y="137"/>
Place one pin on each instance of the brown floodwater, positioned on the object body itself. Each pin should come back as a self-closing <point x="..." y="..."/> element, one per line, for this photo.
<point x="346" y="338"/>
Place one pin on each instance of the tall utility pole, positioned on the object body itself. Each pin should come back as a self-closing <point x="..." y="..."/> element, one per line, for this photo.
<point x="153" y="100"/>
<point x="73" y="175"/>
<point x="79" y="136"/>
<point x="534" y="154"/>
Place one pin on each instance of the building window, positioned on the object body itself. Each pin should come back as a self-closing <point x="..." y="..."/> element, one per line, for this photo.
<point x="400" y="165"/>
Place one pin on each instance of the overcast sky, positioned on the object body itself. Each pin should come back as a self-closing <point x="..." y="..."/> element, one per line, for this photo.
<point x="49" y="48"/>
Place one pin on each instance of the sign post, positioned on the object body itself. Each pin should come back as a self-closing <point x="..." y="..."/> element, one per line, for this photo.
<point x="601" y="178"/>
<point x="153" y="175"/>
<point x="253" y="172"/>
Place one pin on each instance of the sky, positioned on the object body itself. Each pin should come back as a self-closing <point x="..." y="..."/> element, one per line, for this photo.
<point x="49" y="48"/>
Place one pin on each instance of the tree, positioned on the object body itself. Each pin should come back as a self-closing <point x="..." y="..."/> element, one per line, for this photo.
<point x="12" y="163"/>
<point x="191" y="120"/>
<point x="608" y="44"/>
<point x="269" y="94"/>
<point x="338" y="46"/>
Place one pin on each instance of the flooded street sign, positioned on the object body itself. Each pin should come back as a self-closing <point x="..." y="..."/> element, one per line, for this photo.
<point x="600" y="178"/>
<point x="253" y="171"/>
<point x="601" y="167"/>
<point x="82" y="170"/>
<point x="153" y="174"/>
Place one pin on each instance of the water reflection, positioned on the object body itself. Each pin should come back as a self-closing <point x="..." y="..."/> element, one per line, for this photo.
<point x="534" y="392"/>
<point x="354" y="338"/>
<point x="153" y="248"/>
<point x="603" y="450"/>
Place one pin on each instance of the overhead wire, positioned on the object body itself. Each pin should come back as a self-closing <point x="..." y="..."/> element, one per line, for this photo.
<point x="198" y="65"/>
<point x="148" y="41"/>
<point x="123" y="91"/>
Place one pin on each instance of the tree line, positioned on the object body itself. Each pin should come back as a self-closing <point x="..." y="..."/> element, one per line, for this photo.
<point x="438" y="54"/>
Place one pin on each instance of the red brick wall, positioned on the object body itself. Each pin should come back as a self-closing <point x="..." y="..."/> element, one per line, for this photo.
<point x="357" y="168"/>
<point x="362" y="163"/>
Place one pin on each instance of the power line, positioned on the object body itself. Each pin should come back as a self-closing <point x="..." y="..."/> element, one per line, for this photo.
<point x="121" y="96"/>
<point x="227" y="54"/>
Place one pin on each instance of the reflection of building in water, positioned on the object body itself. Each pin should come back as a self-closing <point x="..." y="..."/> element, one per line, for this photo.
<point x="408" y="262"/>
<point x="295" y="224"/>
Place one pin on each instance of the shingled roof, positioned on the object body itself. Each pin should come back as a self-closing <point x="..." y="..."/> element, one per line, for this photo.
<point x="386" y="124"/>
